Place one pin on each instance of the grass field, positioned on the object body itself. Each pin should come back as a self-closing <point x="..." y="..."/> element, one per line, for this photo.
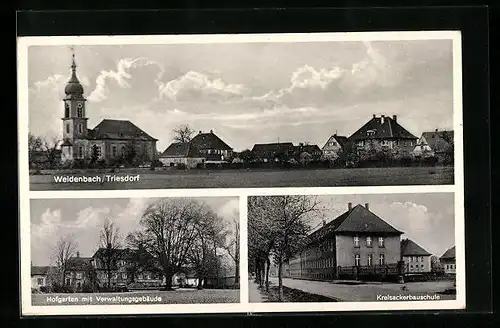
<point x="255" y="178"/>
<point x="187" y="296"/>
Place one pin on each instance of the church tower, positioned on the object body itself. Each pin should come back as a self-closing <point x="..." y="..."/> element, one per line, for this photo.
<point x="74" y="120"/>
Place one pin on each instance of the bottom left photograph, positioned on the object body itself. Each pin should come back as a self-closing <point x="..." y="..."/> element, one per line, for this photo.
<point x="135" y="251"/>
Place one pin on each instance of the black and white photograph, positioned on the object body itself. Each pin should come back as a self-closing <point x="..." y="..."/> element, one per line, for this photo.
<point x="352" y="248"/>
<point x="307" y="111"/>
<point x="135" y="251"/>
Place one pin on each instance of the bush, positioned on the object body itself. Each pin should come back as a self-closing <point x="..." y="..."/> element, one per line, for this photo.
<point x="181" y="166"/>
<point x="45" y="289"/>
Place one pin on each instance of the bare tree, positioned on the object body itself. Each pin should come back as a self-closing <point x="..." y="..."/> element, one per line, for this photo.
<point x="64" y="249"/>
<point x="183" y="133"/>
<point x="40" y="149"/>
<point x="169" y="230"/>
<point x="232" y="247"/>
<point x="110" y="247"/>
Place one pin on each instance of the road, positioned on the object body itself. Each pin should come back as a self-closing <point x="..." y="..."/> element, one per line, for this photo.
<point x="368" y="291"/>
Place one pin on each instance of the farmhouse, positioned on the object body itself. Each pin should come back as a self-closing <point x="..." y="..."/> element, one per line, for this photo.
<point x="356" y="243"/>
<point x="211" y="147"/>
<point x="334" y="146"/>
<point x="383" y="134"/>
<point x="307" y="153"/>
<point x="110" y="140"/>
<point x="40" y="276"/>
<point x="448" y="261"/>
<point x="273" y="152"/>
<point x="436" y="143"/>
<point x="415" y="258"/>
<point x="184" y="153"/>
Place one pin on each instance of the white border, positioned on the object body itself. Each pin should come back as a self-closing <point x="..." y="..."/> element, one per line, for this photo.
<point x="244" y="307"/>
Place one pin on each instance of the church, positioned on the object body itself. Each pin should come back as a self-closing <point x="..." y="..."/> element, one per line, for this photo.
<point x="111" y="141"/>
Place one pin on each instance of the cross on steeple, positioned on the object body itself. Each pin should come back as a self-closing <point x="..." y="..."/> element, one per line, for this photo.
<point x="73" y="64"/>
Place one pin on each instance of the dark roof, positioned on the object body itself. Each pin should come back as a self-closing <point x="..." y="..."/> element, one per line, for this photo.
<point x="272" y="149"/>
<point x="118" y="129"/>
<point x="438" y="140"/>
<point x="79" y="263"/>
<point x="119" y="253"/>
<point x="307" y="148"/>
<point x="357" y="220"/>
<point x="409" y="248"/>
<point x="181" y="149"/>
<point x="342" y="140"/>
<point x="40" y="270"/>
<point x="209" y="141"/>
<point x="449" y="254"/>
<point x="382" y="128"/>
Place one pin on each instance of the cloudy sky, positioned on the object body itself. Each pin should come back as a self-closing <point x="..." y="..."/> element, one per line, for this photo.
<point x="249" y="92"/>
<point x="83" y="218"/>
<point x="427" y="219"/>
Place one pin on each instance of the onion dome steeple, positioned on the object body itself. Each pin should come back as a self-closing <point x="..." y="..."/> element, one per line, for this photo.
<point x="73" y="88"/>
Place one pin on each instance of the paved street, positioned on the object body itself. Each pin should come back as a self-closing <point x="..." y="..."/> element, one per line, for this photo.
<point x="368" y="291"/>
<point x="180" y="296"/>
<point x="254" y="295"/>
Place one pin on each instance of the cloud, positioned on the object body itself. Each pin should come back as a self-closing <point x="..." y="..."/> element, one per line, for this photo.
<point x="121" y="76"/>
<point x="194" y="86"/>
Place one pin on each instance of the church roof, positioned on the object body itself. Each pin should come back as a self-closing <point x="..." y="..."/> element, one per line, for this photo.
<point x="383" y="127"/>
<point x="181" y="149"/>
<point x="120" y="130"/>
<point x="73" y="89"/>
<point x="410" y="248"/>
<point x="209" y="141"/>
<point x="357" y="220"/>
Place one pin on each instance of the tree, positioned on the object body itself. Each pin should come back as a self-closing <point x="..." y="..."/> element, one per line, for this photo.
<point x="130" y="152"/>
<point x="95" y="154"/>
<point x="449" y="153"/>
<point x="41" y="150"/>
<point x="183" y="133"/>
<point x="286" y="219"/>
<point x="64" y="249"/>
<point x="169" y="228"/>
<point x="232" y="247"/>
<point x="110" y="248"/>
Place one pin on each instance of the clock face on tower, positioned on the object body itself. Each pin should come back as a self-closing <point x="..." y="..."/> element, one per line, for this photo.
<point x="79" y="105"/>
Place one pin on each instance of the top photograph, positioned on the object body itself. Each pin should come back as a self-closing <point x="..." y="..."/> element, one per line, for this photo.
<point x="239" y="111"/>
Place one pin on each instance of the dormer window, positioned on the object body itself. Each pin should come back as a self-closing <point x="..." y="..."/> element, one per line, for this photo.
<point x="370" y="133"/>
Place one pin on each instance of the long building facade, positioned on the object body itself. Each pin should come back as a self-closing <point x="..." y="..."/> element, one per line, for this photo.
<point x="354" y="244"/>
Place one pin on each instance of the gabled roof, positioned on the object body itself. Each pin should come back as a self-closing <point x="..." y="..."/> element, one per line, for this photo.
<point x="181" y="149"/>
<point x="357" y="220"/>
<point x="438" y="140"/>
<point x="382" y="128"/>
<point x="342" y="140"/>
<point x="449" y="254"/>
<point x="410" y="248"/>
<point x="118" y="129"/>
<point x="307" y="148"/>
<point x="272" y="149"/>
<point x="79" y="263"/>
<point x="115" y="252"/>
<point x="40" y="270"/>
<point x="209" y="141"/>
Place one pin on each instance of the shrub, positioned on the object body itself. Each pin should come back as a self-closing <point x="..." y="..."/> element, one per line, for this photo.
<point x="45" y="289"/>
<point x="181" y="166"/>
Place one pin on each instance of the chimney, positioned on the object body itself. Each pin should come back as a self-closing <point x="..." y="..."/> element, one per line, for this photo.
<point x="395" y="118"/>
<point x="211" y="131"/>
<point x="349" y="206"/>
<point x="199" y="132"/>
<point x="374" y="115"/>
<point x="382" y="117"/>
<point x="324" y="223"/>
<point x="436" y="130"/>
<point x="301" y="144"/>
<point x="77" y="254"/>
<point x="367" y="206"/>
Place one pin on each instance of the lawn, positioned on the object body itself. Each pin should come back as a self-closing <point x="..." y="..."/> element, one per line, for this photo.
<point x="179" y="296"/>
<point x="258" y="178"/>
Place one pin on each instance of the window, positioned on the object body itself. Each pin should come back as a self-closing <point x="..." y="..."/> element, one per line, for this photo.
<point x="80" y="152"/>
<point x="123" y="149"/>
<point x="381" y="259"/>
<point x="79" y="275"/>
<point x="80" y="128"/>
<point x="124" y="276"/>
<point x="96" y="150"/>
<point x="67" y="128"/>
<point x="370" y="133"/>
<point x="421" y="259"/>
<point x="422" y="266"/>
<point x="411" y="267"/>
<point x="356" y="260"/>
<point x="369" y="259"/>
<point x="360" y="143"/>
<point x="368" y="241"/>
<point x="381" y="242"/>
<point x="79" y="111"/>
<point x="113" y="150"/>
<point x="39" y="281"/>
<point x="66" y="110"/>
<point x="356" y="241"/>
<point x="68" y="281"/>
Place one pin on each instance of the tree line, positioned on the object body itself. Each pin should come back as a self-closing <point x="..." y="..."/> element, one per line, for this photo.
<point x="175" y="234"/>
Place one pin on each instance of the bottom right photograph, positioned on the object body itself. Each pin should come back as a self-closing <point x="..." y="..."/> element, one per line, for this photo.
<point x="347" y="248"/>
